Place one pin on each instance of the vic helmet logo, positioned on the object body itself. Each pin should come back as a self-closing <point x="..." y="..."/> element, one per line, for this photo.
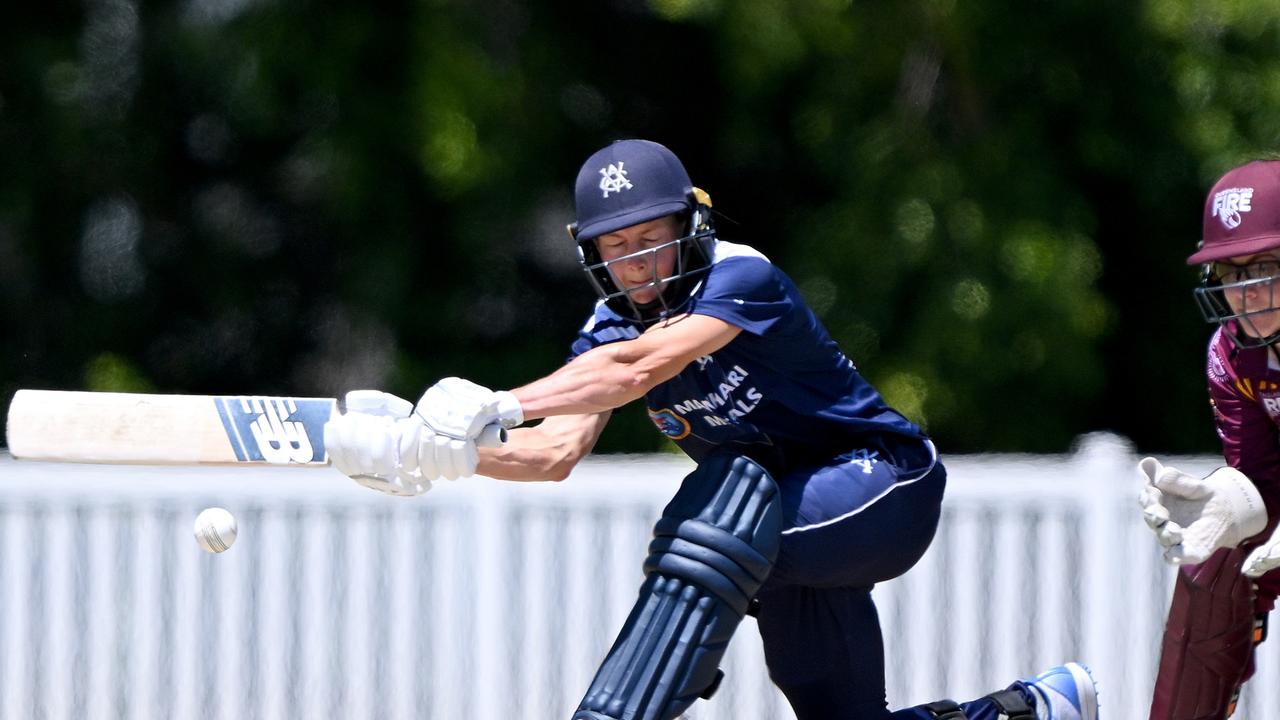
<point x="1229" y="203"/>
<point x="614" y="179"/>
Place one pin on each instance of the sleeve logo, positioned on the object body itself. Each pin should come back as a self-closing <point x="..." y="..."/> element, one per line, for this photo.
<point x="670" y="424"/>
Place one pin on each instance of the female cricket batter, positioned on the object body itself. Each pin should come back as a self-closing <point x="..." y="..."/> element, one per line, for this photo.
<point x="808" y="491"/>
<point x="1215" y="527"/>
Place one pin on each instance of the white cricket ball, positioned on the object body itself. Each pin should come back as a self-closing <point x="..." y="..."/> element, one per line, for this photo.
<point x="215" y="529"/>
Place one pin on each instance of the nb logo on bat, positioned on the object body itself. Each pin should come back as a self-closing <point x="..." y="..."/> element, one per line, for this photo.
<point x="275" y="430"/>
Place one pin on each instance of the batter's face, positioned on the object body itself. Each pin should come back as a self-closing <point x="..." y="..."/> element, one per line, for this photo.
<point x="1252" y="288"/>
<point x="645" y="255"/>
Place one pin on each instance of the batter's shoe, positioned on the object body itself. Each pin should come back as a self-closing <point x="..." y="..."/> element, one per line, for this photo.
<point x="1066" y="692"/>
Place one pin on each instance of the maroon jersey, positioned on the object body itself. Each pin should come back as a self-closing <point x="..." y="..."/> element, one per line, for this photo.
<point x="1244" y="389"/>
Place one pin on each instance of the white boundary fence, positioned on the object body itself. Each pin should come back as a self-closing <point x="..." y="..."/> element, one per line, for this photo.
<point x="496" y="600"/>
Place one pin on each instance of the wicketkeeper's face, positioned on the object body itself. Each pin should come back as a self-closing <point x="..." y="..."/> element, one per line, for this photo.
<point x="1251" y="285"/>
<point x="642" y="257"/>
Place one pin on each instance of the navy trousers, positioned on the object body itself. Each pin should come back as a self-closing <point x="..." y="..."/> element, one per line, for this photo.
<point x="863" y="518"/>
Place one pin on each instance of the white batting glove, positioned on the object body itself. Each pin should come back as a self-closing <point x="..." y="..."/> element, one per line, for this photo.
<point x="1193" y="517"/>
<point x="460" y="416"/>
<point x="442" y="457"/>
<point x="375" y="443"/>
<point x="1265" y="557"/>
<point x="461" y="409"/>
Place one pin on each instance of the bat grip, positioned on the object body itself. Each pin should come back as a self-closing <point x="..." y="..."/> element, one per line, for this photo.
<point x="492" y="436"/>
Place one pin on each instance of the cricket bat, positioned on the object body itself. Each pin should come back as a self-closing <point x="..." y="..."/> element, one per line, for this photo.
<point x="132" y="428"/>
<point x="144" y="429"/>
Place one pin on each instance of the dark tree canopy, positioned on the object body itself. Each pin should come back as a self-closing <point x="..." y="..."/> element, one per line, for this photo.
<point x="989" y="204"/>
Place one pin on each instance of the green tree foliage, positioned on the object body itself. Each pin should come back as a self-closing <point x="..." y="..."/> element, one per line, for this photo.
<point x="988" y="204"/>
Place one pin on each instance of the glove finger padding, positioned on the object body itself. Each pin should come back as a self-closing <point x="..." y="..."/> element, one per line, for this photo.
<point x="376" y="402"/>
<point x="1169" y="534"/>
<point x="1174" y="482"/>
<point x="1262" y="560"/>
<point x="358" y="444"/>
<point x="1265" y="557"/>
<point x="461" y="458"/>
<point x="1153" y="510"/>
<point x="369" y="448"/>
<point x="440" y="456"/>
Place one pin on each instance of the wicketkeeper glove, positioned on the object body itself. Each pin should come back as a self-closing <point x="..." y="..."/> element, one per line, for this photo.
<point x="1265" y="557"/>
<point x="1193" y="517"/>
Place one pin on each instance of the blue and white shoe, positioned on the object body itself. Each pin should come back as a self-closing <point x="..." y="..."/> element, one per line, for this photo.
<point x="1066" y="692"/>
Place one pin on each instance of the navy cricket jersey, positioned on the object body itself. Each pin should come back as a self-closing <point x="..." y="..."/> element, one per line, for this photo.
<point x="781" y="383"/>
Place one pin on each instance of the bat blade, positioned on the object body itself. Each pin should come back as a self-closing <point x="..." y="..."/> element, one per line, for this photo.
<point x="135" y="428"/>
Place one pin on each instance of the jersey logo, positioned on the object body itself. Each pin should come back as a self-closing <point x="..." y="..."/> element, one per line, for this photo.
<point x="670" y="424"/>
<point x="865" y="459"/>
<point x="275" y="430"/>
<point x="614" y="179"/>
<point x="1269" y="396"/>
<point x="1229" y="203"/>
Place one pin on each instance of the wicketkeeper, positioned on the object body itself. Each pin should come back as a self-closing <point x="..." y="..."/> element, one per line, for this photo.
<point x="1221" y="528"/>
<point x="808" y="491"/>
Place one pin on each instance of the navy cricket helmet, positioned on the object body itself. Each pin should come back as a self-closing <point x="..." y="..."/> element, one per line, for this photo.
<point x="631" y="182"/>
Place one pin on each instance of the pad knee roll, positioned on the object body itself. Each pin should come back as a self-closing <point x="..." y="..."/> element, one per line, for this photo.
<point x="712" y="550"/>
<point x="1208" y="640"/>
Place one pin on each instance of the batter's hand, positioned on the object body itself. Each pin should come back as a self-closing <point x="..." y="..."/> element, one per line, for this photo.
<point x="1265" y="557"/>
<point x="461" y="409"/>
<point x="375" y="442"/>
<point x="1193" y="517"/>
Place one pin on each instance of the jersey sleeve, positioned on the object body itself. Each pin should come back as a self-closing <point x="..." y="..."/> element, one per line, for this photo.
<point x="1250" y="440"/>
<point x="748" y="292"/>
<point x="602" y="328"/>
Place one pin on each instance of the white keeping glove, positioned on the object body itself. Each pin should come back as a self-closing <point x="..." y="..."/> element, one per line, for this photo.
<point x="1193" y="517"/>
<point x="375" y="442"/>
<point x="1265" y="557"/>
<point x="461" y="409"/>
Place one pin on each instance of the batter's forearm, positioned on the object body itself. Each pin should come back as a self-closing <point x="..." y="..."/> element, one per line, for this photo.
<point x="601" y="379"/>
<point x="533" y="454"/>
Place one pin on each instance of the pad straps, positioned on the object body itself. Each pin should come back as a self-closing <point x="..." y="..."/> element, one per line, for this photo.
<point x="945" y="710"/>
<point x="1010" y="703"/>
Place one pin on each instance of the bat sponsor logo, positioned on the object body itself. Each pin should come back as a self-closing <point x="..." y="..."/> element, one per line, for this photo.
<point x="275" y="430"/>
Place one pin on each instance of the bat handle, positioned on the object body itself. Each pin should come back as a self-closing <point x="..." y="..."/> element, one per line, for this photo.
<point x="492" y="436"/>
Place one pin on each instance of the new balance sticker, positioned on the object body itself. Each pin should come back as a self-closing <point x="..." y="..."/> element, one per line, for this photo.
<point x="614" y="179"/>
<point x="275" y="430"/>
<point x="1229" y="203"/>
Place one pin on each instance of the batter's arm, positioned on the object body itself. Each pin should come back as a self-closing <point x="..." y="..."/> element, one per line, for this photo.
<point x="610" y="376"/>
<point x="548" y="451"/>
